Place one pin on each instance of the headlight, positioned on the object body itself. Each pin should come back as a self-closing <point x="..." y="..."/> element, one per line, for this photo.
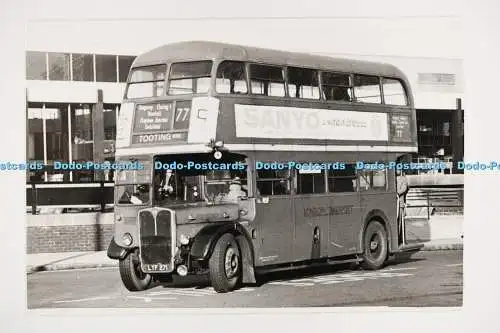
<point x="127" y="239"/>
<point x="184" y="239"/>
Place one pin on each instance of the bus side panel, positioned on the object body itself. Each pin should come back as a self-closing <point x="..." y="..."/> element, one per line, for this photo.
<point x="385" y="202"/>
<point x="308" y="220"/>
<point x="345" y="221"/>
<point x="274" y="223"/>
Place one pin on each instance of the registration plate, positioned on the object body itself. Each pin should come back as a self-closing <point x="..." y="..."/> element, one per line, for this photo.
<point x="155" y="267"/>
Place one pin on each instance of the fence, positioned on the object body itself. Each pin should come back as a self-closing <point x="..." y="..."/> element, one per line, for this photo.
<point x="435" y="197"/>
<point x="69" y="195"/>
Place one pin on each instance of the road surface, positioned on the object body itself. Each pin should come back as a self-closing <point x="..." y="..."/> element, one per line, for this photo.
<point x="427" y="279"/>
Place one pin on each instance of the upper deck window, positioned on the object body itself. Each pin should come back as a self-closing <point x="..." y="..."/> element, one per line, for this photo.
<point x="367" y="89"/>
<point x="147" y="82"/>
<point x="231" y="78"/>
<point x="303" y="83"/>
<point x="190" y="77"/>
<point x="336" y="86"/>
<point x="267" y="80"/>
<point x="394" y="93"/>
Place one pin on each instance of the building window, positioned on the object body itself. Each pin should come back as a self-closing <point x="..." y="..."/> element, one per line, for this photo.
<point x="82" y="140"/>
<point x="190" y="77"/>
<point x="231" y="78"/>
<point x="36" y="66"/>
<point x="367" y="89"/>
<point x="394" y="93"/>
<point x="437" y="78"/>
<point x="303" y="83"/>
<point x="342" y="180"/>
<point x="83" y="67"/>
<point x="273" y="182"/>
<point x="34" y="140"/>
<point x="124" y="64"/>
<point x="109" y="116"/>
<point x="105" y="67"/>
<point x="267" y="80"/>
<point x="56" y="122"/>
<point x="310" y="181"/>
<point x="59" y="66"/>
<point x="336" y="86"/>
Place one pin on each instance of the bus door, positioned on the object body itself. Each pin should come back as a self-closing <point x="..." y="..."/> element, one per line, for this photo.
<point x="274" y="218"/>
<point x="344" y="211"/>
<point x="311" y="205"/>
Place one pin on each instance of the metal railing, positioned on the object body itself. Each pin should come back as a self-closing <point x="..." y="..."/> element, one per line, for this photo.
<point x="69" y="195"/>
<point x="435" y="197"/>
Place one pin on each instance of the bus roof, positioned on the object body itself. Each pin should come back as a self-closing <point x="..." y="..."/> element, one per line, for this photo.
<point x="205" y="50"/>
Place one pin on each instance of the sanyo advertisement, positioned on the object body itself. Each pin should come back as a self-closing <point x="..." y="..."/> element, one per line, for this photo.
<point x="298" y="123"/>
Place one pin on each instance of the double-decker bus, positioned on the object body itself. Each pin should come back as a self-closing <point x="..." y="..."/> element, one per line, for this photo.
<point x="254" y="160"/>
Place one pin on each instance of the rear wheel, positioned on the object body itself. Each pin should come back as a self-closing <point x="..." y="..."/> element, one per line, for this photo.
<point x="375" y="246"/>
<point x="133" y="278"/>
<point x="225" y="264"/>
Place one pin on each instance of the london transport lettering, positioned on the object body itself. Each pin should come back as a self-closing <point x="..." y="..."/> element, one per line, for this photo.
<point x="327" y="211"/>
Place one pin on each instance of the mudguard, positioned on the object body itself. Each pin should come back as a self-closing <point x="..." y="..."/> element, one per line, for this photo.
<point x="205" y="240"/>
<point x="115" y="251"/>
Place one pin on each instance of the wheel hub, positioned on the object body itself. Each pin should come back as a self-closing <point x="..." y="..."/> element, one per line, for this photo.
<point x="231" y="263"/>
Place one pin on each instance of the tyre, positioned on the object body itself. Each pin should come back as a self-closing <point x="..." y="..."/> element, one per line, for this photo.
<point x="375" y="246"/>
<point x="225" y="264"/>
<point x="133" y="278"/>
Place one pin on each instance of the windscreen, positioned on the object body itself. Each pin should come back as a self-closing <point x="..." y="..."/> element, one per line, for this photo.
<point x="147" y="82"/>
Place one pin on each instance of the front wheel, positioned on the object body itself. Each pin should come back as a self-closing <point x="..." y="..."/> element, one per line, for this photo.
<point x="133" y="278"/>
<point x="225" y="264"/>
<point x="375" y="246"/>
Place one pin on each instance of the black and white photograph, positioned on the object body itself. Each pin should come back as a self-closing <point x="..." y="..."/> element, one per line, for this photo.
<point x="244" y="162"/>
<point x="230" y="165"/>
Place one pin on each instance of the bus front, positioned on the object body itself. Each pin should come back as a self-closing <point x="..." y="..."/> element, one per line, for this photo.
<point x="168" y="129"/>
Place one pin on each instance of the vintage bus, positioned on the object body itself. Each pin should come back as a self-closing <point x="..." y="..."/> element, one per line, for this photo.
<point x="250" y="163"/>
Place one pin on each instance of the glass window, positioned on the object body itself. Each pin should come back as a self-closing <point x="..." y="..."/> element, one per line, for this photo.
<point x="267" y="80"/>
<point x="147" y="82"/>
<point x="367" y="89"/>
<point x="36" y="66"/>
<point x="105" y="67"/>
<point x="372" y="180"/>
<point x="109" y="119"/>
<point x="343" y="180"/>
<point x="83" y="67"/>
<point x="124" y="64"/>
<point x="310" y="181"/>
<point x="82" y="140"/>
<point x="231" y="78"/>
<point x="59" y="66"/>
<point x="56" y="122"/>
<point x="190" y="77"/>
<point x="336" y="86"/>
<point x="34" y="143"/>
<point x="303" y="83"/>
<point x="273" y="182"/>
<point x="394" y="93"/>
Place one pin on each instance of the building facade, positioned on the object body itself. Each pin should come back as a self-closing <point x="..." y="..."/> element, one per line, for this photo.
<point x="68" y="62"/>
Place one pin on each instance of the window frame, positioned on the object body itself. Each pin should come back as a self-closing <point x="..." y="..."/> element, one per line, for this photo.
<point x="350" y="86"/>
<point x="403" y="85"/>
<point x="287" y="83"/>
<point x="379" y="88"/>
<point x="211" y="78"/>
<point x="249" y="78"/>
<point x="129" y="77"/>
<point x="245" y="73"/>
